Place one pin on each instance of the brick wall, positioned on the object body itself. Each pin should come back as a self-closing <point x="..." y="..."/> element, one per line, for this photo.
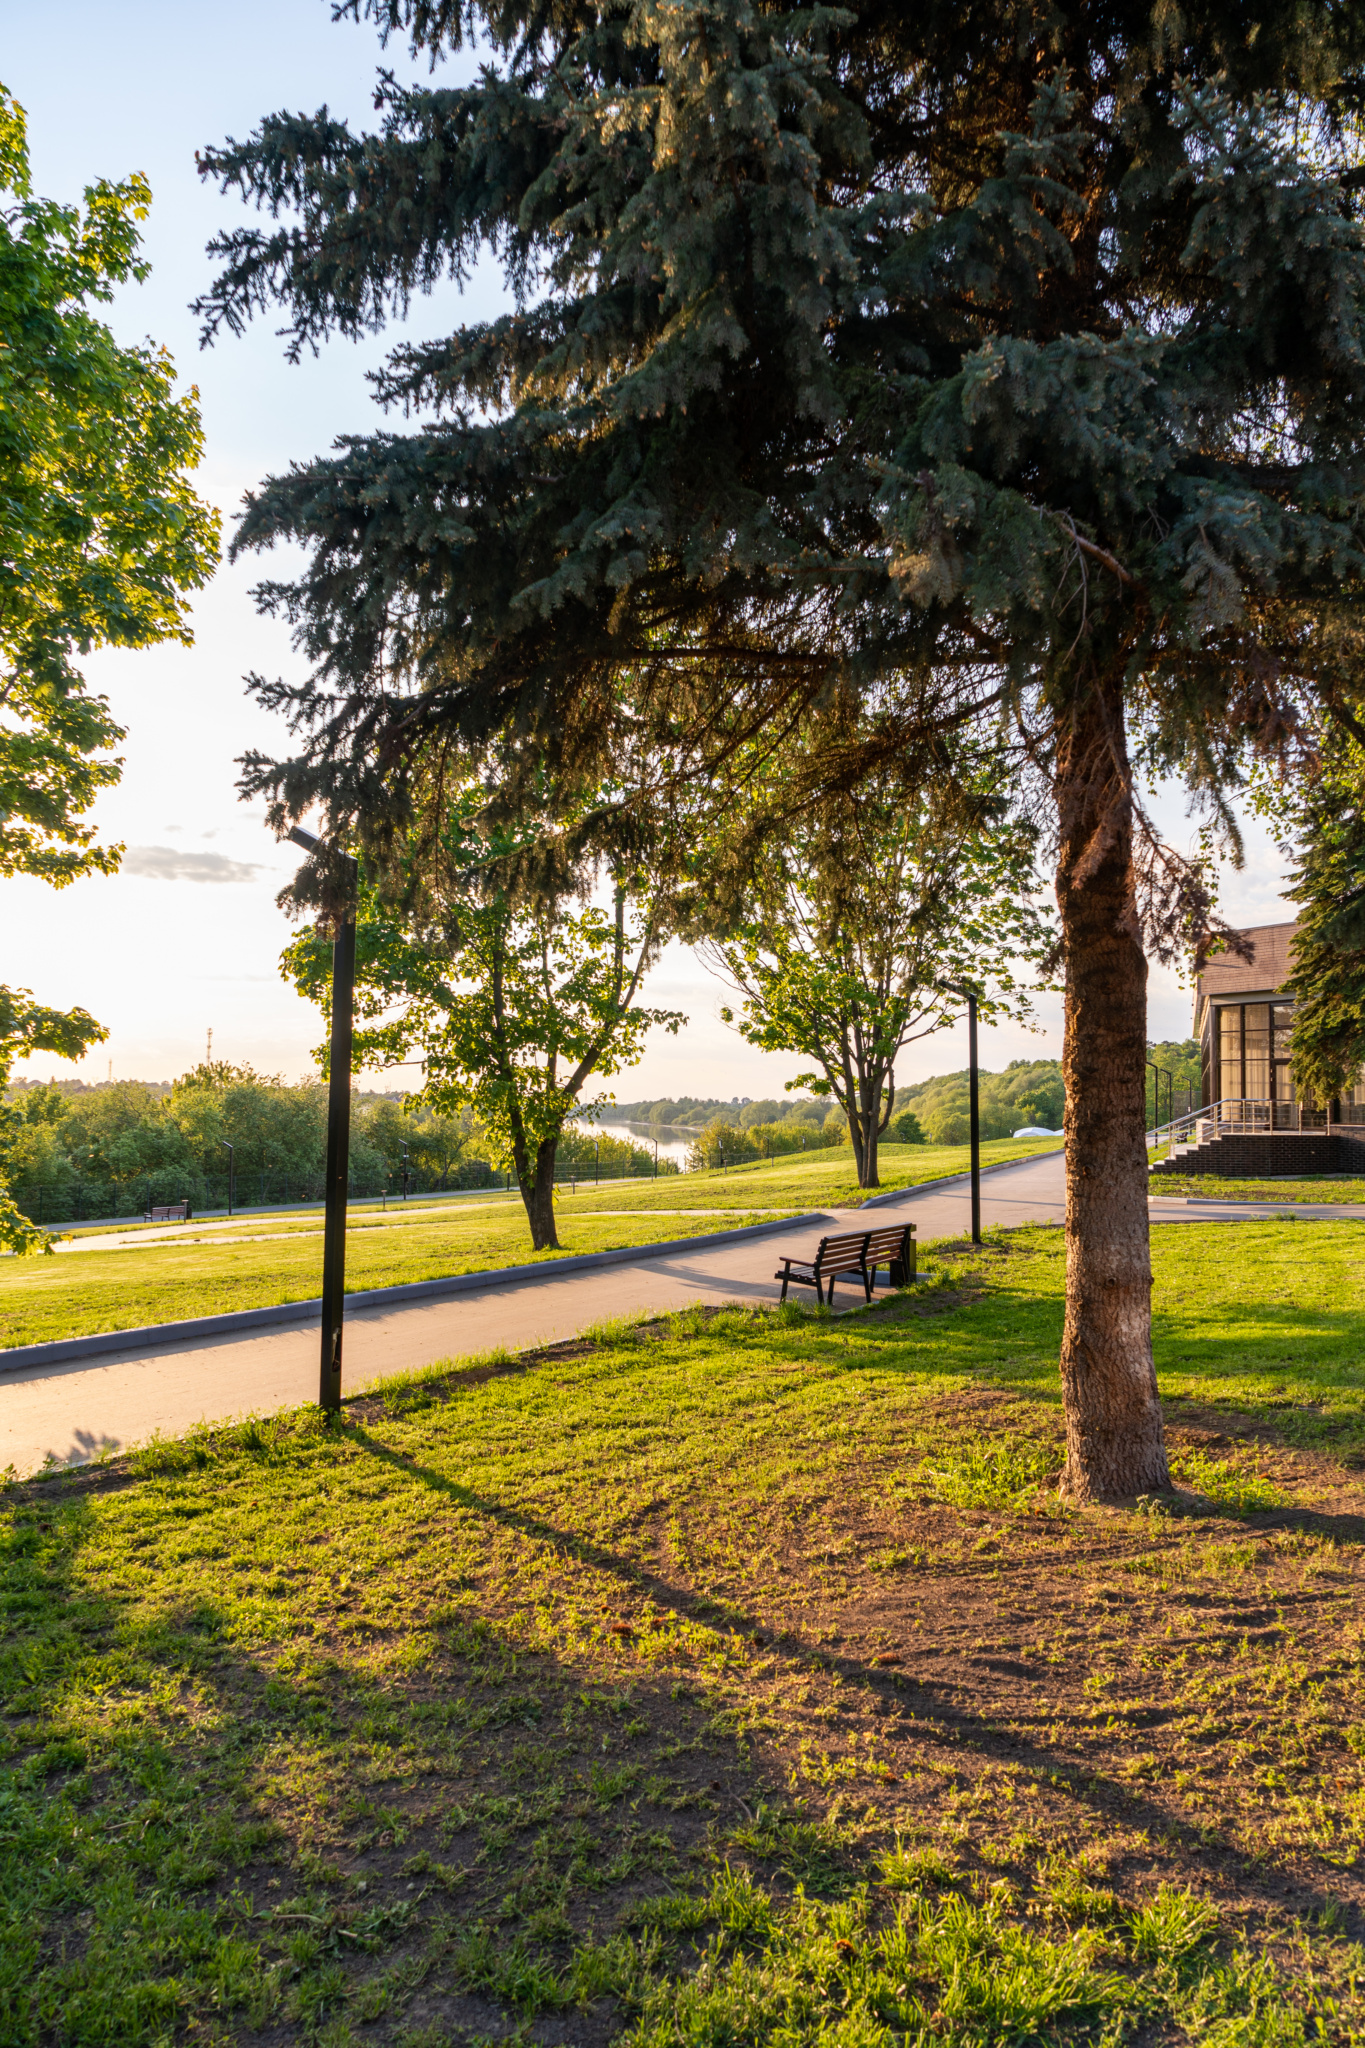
<point x="1270" y="1155"/>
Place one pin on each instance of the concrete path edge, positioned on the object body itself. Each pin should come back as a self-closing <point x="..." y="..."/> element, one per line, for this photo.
<point x="106" y="1342"/>
<point x="946" y="1179"/>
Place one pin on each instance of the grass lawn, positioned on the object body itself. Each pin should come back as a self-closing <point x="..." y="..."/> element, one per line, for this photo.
<point x="215" y="1268"/>
<point x="77" y="1292"/>
<point x="803" y="1180"/>
<point x="819" y="1180"/>
<point x="1334" y="1187"/>
<point x="731" y="1680"/>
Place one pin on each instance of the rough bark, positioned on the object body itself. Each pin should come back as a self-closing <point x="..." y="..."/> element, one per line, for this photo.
<point x="537" y="1186"/>
<point x="868" y="1114"/>
<point x="1114" y="1441"/>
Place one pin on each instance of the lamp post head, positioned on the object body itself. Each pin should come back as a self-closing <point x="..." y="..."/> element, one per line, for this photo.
<point x="311" y="842"/>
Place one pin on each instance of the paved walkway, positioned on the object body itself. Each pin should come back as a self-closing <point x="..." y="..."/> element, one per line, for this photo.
<point x="70" y="1413"/>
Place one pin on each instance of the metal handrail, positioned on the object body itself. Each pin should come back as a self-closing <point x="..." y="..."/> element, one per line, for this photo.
<point x="1229" y="1115"/>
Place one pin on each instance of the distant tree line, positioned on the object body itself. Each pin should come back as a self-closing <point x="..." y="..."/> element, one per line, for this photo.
<point x="111" y="1149"/>
<point x="680" y="1110"/>
<point x="69" y="1149"/>
<point x="1027" y="1092"/>
<point x="1178" y="1058"/>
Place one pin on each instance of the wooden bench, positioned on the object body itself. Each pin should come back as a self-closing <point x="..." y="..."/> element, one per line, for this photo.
<point x="894" y="1248"/>
<point x="853" y="1251"/>
<point x="169" y="1212"/>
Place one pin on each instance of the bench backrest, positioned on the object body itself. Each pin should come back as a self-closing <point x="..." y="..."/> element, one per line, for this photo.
<point x="882" y="1244"/>
<point x="848" y="1245"/>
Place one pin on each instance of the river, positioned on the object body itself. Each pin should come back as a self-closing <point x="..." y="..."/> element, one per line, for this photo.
<point x="673" y="1139"/>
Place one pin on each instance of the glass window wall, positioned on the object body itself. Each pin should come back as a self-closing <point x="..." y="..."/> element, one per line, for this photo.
<point x="1230" y="1050"/>
<point x="1256" y="1051"/>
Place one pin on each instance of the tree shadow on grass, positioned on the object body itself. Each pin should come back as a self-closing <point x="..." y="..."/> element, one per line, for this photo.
<point x="286" y="1818"/>
<point x="953" y="1737"/>
<point x="502" y="1800"/>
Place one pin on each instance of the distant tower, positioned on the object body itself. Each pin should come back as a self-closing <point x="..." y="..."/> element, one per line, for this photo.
<point x="208" y="1056"/>
<point x="110" y="1075"/>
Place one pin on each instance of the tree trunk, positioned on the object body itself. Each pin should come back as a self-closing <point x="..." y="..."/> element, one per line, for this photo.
<point x="858" y="1092"/>
<point x="866" y="1154"/>
<point x="1114" y="1438"/>
<point x="538" y="1193"/>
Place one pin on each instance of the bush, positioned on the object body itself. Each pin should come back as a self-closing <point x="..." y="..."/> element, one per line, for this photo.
<point x="613" y="1158"/>
<point x="790" y="1135"/>
<point x="723" y="1144"/>
<point x="471" y="1173"/>
<point x="906" y="1129"/>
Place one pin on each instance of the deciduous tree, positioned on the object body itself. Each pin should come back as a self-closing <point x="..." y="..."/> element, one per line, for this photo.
<point x="100" y="537"/>
<point x="511" y="1002"/>
<point x="866" y="919"/>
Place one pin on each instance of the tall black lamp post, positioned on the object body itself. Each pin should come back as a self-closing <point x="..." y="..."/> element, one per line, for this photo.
<point x="1157" y="1073"/>
<point x="338" y="1138"/>
<point x="973" y="1102"/>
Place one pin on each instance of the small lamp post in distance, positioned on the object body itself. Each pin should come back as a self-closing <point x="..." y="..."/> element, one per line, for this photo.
<point x="231" y="1151"/>
<point x="952" y="988"/>
<point x="338" y="1136"/>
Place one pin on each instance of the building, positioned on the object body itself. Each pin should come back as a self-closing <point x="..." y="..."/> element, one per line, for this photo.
<point x="1243" y="1020"/>
<point x="1253" y="1121"/>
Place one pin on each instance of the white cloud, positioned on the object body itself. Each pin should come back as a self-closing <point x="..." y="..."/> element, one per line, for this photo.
<point x="168" y="864"/>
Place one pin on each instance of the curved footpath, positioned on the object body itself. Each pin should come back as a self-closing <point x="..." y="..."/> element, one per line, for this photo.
<point x="72" y="1411"/>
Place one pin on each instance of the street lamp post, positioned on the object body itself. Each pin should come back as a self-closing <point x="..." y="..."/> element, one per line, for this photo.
<point x="338" y="1139"/>
<point x="405" y="1172"/>
<point x="973" y="1101"/>
<point x="974" y="1117"/>
<point x="231" y="1151"/>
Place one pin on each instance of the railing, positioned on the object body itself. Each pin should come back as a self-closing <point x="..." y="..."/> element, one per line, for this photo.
<point x="1251" y="1116"/>
<point x="91" y="1201"/>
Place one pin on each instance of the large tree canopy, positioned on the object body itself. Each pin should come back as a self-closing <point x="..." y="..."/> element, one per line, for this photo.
<point x="1016" y="349"/>
<point x="101" y="534"/>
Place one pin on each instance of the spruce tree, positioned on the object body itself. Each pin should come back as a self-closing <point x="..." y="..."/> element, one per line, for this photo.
<point x="1328" y="968"/>
<point x="1013" y="351"/>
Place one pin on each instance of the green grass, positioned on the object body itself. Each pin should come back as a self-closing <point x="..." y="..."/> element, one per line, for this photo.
<point x="1333" y="1187"/>
<point x="77" y="1292"/>
<point x="735" y="1681"/>
<point x="213" y="1269"/>
<point x="819" y="1180"/>
<point x="813" y="1180"/>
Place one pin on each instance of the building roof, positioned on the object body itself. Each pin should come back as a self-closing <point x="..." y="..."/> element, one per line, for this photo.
<point x="1226" y="977"/>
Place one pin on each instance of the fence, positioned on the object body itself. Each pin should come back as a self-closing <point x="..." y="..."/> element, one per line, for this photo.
<point x="79" y="1201"/>
<point x="1175" y="1102"/>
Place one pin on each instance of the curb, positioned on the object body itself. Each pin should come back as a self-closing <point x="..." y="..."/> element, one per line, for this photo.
<point x="946" y="1180"/>
<point x="63" y="1350"/>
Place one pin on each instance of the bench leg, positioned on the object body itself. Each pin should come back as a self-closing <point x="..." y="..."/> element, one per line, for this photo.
<point x="785" y="1278"/>
<point x="868" y="1280"/>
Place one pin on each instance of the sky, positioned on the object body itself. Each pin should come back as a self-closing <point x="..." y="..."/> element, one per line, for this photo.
<point x="186" y="938"/>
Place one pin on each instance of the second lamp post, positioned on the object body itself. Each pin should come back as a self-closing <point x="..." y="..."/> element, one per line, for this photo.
<point x="338" y="1133"/>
